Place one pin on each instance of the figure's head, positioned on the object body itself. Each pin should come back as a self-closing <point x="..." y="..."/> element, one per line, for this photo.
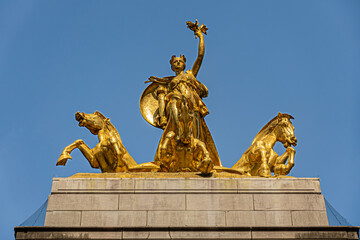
<point x="94" y="122"/>
<point x="178" y="64"/>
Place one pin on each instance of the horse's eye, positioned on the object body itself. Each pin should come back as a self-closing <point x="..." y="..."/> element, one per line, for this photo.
<point x="284" y="124"/>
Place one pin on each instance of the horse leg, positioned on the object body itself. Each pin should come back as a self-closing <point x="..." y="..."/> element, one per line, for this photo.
<point x="166" y="151"/>
<point x="88" y="154"/>
<point x="280" y="167"/>
<point x="206" y="165"/>
<point x="85" y="150"/>
<point x="272" y="160"/>
<point x="65" y="155"/>
<point x="264" y="170"/>
<point x="165" y="146"/>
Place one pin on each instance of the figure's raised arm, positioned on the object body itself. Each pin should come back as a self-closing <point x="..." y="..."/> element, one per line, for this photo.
<point x="198" y="31"/>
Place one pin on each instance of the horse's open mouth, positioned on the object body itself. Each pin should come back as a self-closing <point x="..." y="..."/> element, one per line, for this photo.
<point x="79" y="117"/>
<point x="290" y="142"/>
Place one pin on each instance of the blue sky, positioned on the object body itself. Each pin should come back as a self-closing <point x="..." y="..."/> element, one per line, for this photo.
<point x="262" y="57"/>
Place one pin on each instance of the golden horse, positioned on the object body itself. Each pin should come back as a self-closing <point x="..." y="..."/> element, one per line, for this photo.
<point x="109" y="154"/>
<point x="260" y="159"/>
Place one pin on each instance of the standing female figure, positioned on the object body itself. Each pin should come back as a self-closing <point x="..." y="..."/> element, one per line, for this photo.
<point x="174" y="94"/>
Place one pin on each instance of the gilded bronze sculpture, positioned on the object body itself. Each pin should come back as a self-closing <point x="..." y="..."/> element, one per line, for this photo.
<point x="175" y="104"/>
<point x="260" y="159"/>
<point x="109" y="154"/>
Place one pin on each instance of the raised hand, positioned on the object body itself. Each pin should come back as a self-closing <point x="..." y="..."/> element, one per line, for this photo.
<point x="198" y="31"/>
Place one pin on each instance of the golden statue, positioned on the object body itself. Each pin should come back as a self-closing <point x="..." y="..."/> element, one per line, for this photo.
<point x="109" y="154"/>
<point x="175" y="104"/>
<point x="260" y="159"/>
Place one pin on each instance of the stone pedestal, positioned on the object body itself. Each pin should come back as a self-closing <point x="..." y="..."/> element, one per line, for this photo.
<point x="185" y="205"/>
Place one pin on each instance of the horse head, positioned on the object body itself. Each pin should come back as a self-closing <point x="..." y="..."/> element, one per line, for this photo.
<point x="92" y="121"/>
<point x="284" y="130"/>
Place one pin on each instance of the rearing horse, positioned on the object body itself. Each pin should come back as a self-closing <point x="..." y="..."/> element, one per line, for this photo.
<point x="260" y="159"/>
<point x="109" y="154"/>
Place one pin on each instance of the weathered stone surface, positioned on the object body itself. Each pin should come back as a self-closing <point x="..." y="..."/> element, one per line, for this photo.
<point x="258" y="218"/>
<point x="68" y="234"/>
<point x="324" y="235"/>
<point x="111" y="233"/>
<point x="104" y="183"/>
<point x="309" y="218"/>
<point x="210" y="235"/>
<point x="289" y="202"/>
<point x="152" y="201"/>
<point x="185" y="202"/>
<point x="92" y="185"/>
<point x="147" y="235"/>
<point x="63" y="218"/>
<point x="282" y="185"/>
<point x="113" y="219"/>
<point x="209" y="201"/>
<point x="76" y="202"/>
<point x="185" y="185"/>
<point x="186" y="218"/>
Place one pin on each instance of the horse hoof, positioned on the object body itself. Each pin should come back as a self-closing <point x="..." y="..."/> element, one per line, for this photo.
<point x="281" y="170"/>
<point x="206" y="166"/>
<point x="63" y="159"/>
<point x="61" y="162"/>
<point x="264" y="173"/>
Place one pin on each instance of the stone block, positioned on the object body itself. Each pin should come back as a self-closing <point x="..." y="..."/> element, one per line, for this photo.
<point x="273" y="235"/>
<point x="309" y="218"/>
<point x="63" y="218"/>
<point x="289" y="202"/>
<point x="83" y="202"/>
<point x="260" y="233"/>
<point x="92" y="185"/>
<point x="152" y="201"/>
<point x="186" y="218"/>
<point x="211" y="201"/>
<point x="147" y="235"/>
<point x="276" y="185"/>
<point x="353" y="235"/>
<point x="185" y="185"/>
<point x="73" y="235"/>
<point x="187" y="235"/>
<point x="113" y="219"/>
<point x="258" y="218"/>
<point x="210" y="234"/>
<point x="309" y="233"/>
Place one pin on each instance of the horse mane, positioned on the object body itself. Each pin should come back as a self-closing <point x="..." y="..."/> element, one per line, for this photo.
<point x="113" y="129"/>
<point x="270" y="126"/>
<point x="109" y="125"/>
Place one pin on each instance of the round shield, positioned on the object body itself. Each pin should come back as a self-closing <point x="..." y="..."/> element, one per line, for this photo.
<point x="149" y="104"/>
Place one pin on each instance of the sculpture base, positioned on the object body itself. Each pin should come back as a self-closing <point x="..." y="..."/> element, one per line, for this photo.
<point x="244" y="233"/>
<point x="185" y="205"/>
